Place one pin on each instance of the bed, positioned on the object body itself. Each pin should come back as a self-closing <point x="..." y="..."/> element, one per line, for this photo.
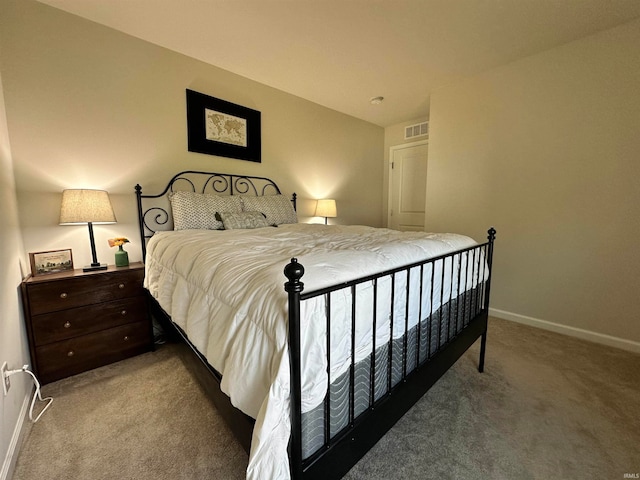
<point x="309" y="374"/>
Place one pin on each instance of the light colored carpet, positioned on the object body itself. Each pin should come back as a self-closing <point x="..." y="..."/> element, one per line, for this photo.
<point x="547" y="407"/>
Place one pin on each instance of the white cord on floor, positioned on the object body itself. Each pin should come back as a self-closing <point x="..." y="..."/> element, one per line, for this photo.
<point x="37" y="393"/>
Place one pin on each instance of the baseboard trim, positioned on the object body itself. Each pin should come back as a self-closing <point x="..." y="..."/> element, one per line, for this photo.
<point x="600" y="338"/>
<point x="11" y="457"/>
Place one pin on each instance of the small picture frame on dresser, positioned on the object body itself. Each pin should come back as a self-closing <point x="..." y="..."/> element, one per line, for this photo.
<point x="52" y="261"/>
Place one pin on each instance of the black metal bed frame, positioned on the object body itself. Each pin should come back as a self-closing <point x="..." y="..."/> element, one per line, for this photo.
<point x="156" y="218"/>
<point x="343" y="450"/>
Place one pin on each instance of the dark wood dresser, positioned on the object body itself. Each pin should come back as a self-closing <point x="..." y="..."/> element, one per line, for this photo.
<point x="77" y="321"/>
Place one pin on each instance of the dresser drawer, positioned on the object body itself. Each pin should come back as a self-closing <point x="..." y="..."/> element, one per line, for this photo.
<point x="52" y="327"/>
<point x="48" y="297"/>
<point x="68" y="357"/>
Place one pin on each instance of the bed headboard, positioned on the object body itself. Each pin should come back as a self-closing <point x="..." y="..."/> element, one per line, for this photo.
<point x="154" y="211"/>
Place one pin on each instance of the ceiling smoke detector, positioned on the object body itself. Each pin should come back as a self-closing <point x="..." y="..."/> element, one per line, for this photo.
<point x="376" y="100"/>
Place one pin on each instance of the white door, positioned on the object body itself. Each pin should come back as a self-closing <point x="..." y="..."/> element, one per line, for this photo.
<point x="408" y="186"/>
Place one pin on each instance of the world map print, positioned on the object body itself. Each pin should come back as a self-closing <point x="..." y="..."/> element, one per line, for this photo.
<point x="221" y="127"/>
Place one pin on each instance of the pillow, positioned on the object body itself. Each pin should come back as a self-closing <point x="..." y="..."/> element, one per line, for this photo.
<point x="197" y="210"/>
<point x="245" y="220"/>
<point x="277" y="208"/>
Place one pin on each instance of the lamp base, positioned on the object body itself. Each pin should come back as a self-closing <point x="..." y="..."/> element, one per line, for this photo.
<point x="92" y="267"/>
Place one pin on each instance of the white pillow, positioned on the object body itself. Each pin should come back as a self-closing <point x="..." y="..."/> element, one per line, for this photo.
<point x="242" y="220"/>
<point x="277" y="208"/>
<point x="196" y="211"/>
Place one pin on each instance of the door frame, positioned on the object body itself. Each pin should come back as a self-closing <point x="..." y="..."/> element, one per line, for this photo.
<point x="392" y="149"/>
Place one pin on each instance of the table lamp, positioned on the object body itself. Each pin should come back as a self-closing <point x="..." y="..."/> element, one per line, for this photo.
<point x="326" y="208"/>
<point x="87" y="206"/>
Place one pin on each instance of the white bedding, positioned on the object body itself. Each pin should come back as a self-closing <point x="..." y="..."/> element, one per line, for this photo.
<point x="225" y="289"/>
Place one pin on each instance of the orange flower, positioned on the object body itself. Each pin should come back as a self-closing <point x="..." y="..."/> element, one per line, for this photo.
<point x="118" y="241"/>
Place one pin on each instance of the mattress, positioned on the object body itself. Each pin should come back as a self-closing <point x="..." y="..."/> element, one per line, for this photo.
<point x="225" y="290"/>
<point x="391" y="363"/>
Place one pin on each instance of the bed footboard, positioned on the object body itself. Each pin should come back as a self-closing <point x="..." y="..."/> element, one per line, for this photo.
<point x="445" y="304"/>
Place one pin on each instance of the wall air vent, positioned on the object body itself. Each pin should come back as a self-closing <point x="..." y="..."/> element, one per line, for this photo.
<point x="417" y="130"/>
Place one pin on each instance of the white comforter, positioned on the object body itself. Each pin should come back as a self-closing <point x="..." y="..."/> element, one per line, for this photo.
<point x="225" y="290"/>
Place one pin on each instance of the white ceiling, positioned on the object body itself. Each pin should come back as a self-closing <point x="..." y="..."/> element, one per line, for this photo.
<point x="341" y="53"/>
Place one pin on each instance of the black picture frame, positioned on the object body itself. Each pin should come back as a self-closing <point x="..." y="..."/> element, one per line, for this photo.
<point x="218" y="127"/>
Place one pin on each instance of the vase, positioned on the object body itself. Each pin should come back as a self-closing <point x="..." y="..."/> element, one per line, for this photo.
<point x="122" y="257"/>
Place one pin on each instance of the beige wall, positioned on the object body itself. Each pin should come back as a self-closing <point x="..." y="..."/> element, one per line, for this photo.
<point x="91" y="107"/>
<point x="13" y="349"/>
<point x="393" y="136"/>
<point x="546" y="149"/>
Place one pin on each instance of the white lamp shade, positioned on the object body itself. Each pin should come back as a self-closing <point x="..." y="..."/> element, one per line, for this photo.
<point x="84" y="206"/>
<point x="326" y="208"/>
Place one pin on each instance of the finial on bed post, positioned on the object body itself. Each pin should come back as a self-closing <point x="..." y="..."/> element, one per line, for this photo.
<point x="294" y="272"/>
<point x="143" y="244"/>
<point x="294" y="200"/>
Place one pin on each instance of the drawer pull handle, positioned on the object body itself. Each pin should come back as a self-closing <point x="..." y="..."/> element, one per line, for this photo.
<point x="67" y="324"/>
<point x="70" y="353"/>
<point x="126" y="338"/>
<point x="63" y="295"/>
<point x="123" y="312"/>
<point x="121" y="286"/>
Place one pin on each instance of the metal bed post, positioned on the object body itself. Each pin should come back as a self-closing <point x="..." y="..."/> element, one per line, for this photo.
<point x="294" y="271"/>
<point x="141" y="221"/>
<point x="483" y="340"/>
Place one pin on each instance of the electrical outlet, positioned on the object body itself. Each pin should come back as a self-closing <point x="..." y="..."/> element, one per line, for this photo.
<point x="6" y="383"/>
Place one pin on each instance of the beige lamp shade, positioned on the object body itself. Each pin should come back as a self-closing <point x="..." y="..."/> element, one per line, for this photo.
<point x="326" y="208"/>
<point x="84" y="206"/>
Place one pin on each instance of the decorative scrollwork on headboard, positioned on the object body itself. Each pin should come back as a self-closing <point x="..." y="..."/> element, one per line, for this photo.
<point x="154" y="211"/>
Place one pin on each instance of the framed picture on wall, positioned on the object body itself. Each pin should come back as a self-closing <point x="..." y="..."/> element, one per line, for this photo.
<point x="52" y="261"/>
<point x="218" y="127"/>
